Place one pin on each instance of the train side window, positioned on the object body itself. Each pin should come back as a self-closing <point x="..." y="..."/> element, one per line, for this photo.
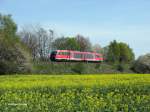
<point x="60" y="53"/>
<point x="97" y="56"/>
<point x="67" y="53"/>
<point x="77" y="55"/>
<point x="64" y="53"/>
<point x="89" y="56"/>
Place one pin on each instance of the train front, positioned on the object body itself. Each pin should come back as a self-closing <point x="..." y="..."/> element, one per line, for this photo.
<point x="53" y="55"/>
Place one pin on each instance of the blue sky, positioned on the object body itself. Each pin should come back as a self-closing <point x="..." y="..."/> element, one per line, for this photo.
<point x="100" y="20"/>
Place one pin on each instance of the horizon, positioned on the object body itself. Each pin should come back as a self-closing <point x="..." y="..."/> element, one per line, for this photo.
<point x="101" y="21"/>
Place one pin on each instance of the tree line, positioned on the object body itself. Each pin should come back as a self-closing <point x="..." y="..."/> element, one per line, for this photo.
<point x="27" y="51"/>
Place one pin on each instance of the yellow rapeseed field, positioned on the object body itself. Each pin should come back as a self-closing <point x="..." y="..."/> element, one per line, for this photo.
<point x="70" y="93"/>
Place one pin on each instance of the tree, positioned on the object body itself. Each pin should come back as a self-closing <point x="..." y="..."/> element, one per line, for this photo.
<point x="30" y="40"/>
<point x="113" y="52"/>
<point x="38" y="40"/>
<point x="84" y="43"/>
<point x="97" y="48"/>
<point x="79" y="43"/>
<point x="126" y="53"/>
<point x="68" y="43"/>
<point x="142" y="64"/>
<point x="120" y="55"/>
<point x="105" y="52"/>
<point x="119" y="52"/>
<point x="42" y="42"/>
<point x="14" y="57"/>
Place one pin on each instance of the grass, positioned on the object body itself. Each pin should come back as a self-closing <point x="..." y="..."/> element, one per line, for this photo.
<point x="108" y="93"/>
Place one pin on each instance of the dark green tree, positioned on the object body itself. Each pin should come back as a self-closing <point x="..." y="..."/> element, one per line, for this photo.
<point x="113" y="53"/>
<point x="119" y="52"/>
<point x="126" y="53"/>
<point x="120" y="55"/>
<point x="68" y="43"/>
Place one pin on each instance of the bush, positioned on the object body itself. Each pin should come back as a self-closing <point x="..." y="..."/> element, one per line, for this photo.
<point x="78" y="68"/>
<point x="142" y="64"/>
<point x="14" y="58"/>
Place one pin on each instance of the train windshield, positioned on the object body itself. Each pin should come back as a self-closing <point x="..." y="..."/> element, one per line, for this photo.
<point x="53" y="52"/>
<point x="53" y="55"/>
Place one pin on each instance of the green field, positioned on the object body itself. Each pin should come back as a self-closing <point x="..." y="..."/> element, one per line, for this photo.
<point x="71" y="93"/>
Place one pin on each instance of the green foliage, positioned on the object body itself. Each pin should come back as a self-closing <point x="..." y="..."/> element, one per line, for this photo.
<point x="13" y="56"/>
<point x="71" y="93"/>
<point x="113" y="52"/>
<point x="42" y="67"/>
<point x="66" y="44"/>
<point x="78" y="68"/>
<point x="126" y="53"/>
<point x="119" y="52"/>
<point x="120" y="55"/>
<point x="72" y="44"/>
<point x="7" y="28"/>
<point x="78" y="43"/>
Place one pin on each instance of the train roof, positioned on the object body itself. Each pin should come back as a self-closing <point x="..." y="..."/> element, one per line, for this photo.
<point x="76" y="51"/>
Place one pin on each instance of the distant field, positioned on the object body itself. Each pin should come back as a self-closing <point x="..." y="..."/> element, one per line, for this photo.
<point x="70" y="93"/>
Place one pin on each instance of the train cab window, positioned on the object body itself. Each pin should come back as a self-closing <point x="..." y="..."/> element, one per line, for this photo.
<point x="53" y="52"/>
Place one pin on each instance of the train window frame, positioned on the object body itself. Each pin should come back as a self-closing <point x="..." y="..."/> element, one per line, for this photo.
<point x="89" y="56"/>
<point x="78" y="55"/>
<point x="64" y="53"/>
<point x="97" y="56"/>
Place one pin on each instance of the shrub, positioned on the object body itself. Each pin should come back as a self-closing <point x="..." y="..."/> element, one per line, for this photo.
<point x="14" y="58"/>
<point x="78" y="68"/>
<point x="142" y="64"/>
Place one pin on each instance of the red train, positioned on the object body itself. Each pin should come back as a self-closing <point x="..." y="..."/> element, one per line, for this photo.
<point x="69" y="55"/>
